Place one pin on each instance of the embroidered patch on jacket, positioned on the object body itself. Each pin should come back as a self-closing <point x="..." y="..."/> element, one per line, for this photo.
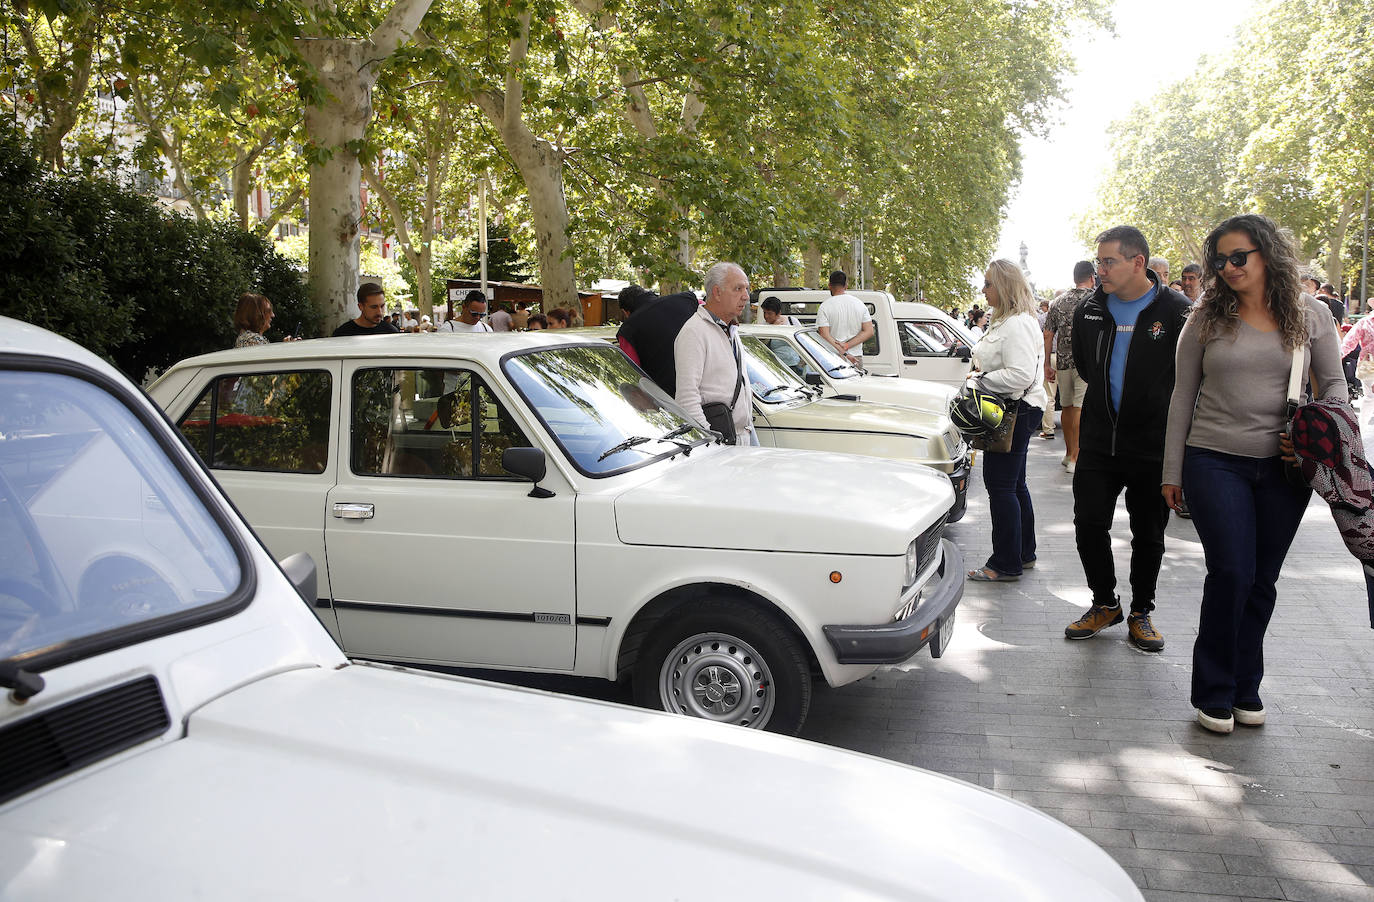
<point x="1157" y="330"/>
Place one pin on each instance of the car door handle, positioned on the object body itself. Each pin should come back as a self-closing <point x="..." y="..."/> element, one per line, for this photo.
<point x="350" y="511"/>
<point x="909" y="360"/>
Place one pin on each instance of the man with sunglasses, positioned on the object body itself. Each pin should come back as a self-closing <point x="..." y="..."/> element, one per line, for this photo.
<point x="1123" y="337"/>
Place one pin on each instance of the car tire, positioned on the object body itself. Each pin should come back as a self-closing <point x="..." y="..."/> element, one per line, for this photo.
<point x="705" y="657"/>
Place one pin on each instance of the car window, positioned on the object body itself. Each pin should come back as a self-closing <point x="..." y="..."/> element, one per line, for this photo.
<point x="769" y="378"/>
<point x="277" y="422"/>
<point x="790" y="357"/>
<point x="938" y="334"/>
<point x="606" y="415"/>
<point x="916" y="343"/>
<point x="99" y="531"/>
<point x="442" y="423"/>
<point x="825" y="355"/>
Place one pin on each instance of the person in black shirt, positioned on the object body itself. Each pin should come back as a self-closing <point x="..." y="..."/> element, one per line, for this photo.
<point x="371" y="314"/>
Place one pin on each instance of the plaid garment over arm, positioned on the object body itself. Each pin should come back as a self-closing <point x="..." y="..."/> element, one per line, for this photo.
<point x="1326" y="440"/>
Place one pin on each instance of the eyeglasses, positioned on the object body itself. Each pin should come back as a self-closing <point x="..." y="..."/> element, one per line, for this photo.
<point x="1235" y="258"/>
<point x="1109" y="262"/>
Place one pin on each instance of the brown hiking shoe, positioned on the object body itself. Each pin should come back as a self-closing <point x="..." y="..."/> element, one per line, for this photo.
<point x="1143" y="634"/>
<point x="1098" y="618"/>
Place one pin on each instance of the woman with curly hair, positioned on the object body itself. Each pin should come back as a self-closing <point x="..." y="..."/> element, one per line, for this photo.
<point x="1225" y="445"/>
<point x="1008" y="360"/>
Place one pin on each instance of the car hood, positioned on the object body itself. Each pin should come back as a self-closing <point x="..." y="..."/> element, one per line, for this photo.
<point x="776" y="499"/>
<point x="932" y="397"/>
<point x="857" y="416"/>
<point x="316" y="784"/>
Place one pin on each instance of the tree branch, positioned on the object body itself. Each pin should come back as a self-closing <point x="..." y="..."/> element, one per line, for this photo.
<point x="398" y="26"/>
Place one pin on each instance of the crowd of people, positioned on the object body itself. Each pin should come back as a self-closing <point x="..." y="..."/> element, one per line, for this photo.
<point x="1173" y="393"/>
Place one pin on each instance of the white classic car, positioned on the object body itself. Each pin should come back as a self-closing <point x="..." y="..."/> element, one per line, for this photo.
<point x="718" y="578"/>
<point x="177" y="725"/>
<point x="910" y="339"/>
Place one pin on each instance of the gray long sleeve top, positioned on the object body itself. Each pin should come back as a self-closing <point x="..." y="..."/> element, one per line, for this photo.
<point x="1230" y="394"/>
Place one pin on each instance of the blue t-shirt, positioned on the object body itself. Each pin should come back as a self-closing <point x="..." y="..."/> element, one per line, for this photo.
<point x="1125" y="314"/>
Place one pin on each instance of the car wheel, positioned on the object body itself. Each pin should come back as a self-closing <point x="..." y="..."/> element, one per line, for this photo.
<point x="727" y="662"/>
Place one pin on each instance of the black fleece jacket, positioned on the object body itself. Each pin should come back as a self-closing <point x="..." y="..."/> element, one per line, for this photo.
<point x="1136" y="431"/>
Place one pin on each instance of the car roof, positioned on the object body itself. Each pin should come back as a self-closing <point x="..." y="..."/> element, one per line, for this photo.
<point x="19" y="337"/>
<point x="486" y="346"/>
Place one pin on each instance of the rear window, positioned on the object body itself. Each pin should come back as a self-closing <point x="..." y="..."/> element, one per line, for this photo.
<point x="99" y="530"/>
<point x="277" y="422"/>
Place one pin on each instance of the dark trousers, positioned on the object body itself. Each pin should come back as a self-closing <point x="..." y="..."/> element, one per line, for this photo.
<point x="1009" y="501"/>
<point x="1246" y="515"/>
<point x="1098" y="481"/>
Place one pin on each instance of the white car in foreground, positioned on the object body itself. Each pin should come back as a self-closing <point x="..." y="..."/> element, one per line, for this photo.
<point x="716" y="578"/>
<point x="177" y="725"/>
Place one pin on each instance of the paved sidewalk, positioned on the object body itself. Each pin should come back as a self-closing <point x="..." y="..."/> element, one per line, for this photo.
<point x="1101" y="735"/>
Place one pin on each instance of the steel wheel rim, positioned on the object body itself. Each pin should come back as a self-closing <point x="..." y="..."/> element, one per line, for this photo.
<point x="717" y="677"/>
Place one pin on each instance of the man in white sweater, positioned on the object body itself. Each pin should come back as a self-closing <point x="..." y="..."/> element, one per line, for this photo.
<point x="708" y="355"/>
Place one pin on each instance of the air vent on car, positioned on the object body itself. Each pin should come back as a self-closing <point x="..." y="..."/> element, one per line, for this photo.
<point x="928" y="545"/>
<point x="46" y="746"/>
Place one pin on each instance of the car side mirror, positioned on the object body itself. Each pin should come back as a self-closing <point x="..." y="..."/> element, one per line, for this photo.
<point x="813" y="378"/>
<point x="963" y="352"/>
<point x="527" y="463"/>
<point x="300" y="569"/>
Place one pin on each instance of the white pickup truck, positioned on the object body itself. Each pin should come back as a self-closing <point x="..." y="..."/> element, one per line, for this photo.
<point x="910" y="339"/>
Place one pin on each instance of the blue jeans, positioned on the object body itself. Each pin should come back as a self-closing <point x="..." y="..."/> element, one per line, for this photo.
<point x="1246" y="515"/>
<point x="1009" y="501"/>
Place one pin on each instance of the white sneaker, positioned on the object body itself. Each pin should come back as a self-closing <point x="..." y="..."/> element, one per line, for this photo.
<point x="1064" y="461"/>
<point x="1252" y="716"/>
<point x="1071" y="466"/>
<point x="1215" y="723"/>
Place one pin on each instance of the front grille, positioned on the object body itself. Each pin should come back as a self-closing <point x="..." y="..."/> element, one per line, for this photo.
<point x="928" y="545"/>
<point x="42" y="748"/>
<point x="953" y="442"/>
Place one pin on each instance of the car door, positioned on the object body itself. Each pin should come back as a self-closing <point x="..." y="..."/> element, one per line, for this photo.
<point x="269" y="439"/>
<point x="924" y="358"/>
<point x="435" y="553"/>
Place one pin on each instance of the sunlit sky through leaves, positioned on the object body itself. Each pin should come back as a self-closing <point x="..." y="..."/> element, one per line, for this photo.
<point x="1157" y="42"/>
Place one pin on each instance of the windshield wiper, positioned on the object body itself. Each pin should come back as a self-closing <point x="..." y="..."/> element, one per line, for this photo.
<point x="624" y="446"/>
<point x="636" y="440"/>
<point x="773" y="389"/>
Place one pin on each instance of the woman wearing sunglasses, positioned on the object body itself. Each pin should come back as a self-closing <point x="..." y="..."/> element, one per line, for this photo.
<point x="1226" y="419"/>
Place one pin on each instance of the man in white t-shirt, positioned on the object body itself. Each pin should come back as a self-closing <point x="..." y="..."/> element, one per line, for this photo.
<point x="844" y="320"/>
<point x="470" y="320"/>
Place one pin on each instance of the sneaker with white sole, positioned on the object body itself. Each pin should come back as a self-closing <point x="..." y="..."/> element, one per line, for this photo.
<point x="1250" y="714"/>
<point x="1217" y="720"/>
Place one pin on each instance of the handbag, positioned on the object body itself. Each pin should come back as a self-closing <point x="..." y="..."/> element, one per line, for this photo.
<point x="1000" y="441"/>
<point x="721" y="416"/>
<point x="1293" y="471"/>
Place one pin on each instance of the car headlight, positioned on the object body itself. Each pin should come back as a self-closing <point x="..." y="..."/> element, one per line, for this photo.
<point x="912" y="565"/>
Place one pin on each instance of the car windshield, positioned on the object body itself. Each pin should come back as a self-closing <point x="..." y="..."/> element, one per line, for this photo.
<point x="607" y="416"/>
<point x="98" y="530"/>
<point x="770" y="378"/>
<point x="826" y="357"/>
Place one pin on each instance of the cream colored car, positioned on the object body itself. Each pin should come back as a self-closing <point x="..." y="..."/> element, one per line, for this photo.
<point x="789" y="413"/>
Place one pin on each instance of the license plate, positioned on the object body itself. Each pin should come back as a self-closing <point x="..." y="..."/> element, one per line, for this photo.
<point x="942" y="636"/>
